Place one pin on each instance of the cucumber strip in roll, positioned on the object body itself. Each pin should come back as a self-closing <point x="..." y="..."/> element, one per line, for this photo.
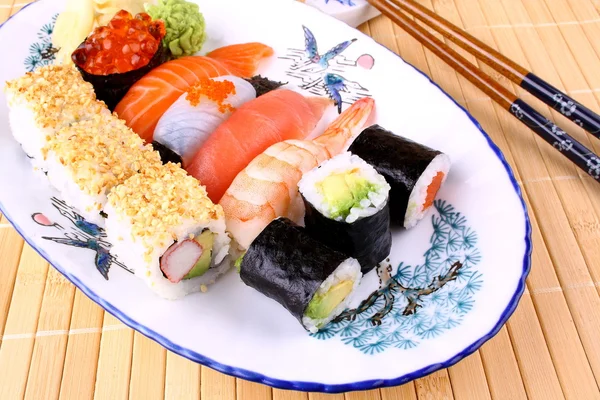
<point x="346" y="203"/>
<point x="415" y="172"/>
<point x="312" y="281"/>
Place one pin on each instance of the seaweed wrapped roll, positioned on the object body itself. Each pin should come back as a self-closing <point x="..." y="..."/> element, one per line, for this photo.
<point x="346" y="203"/>
<point x="415" y="172"/>
<point x="312" y="281"/>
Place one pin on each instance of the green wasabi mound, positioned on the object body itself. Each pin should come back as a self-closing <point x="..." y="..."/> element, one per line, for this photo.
<point x="344" y="191"/>
<point x="185" y="24"/>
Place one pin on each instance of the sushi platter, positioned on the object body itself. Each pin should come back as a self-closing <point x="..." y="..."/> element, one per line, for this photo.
<point x="280" y="199"/>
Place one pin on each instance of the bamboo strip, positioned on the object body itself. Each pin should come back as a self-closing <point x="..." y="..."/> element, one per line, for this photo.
<point x="364" y="395"/>
<point x="404" y="392"/>
<point x="562" y="10"/>
<point x="46" y="367"/>
<point x="11" y="246"/>
<point x="434" y="387"/>
<point x="562" y="39"/>
<point x="5" y="12"/>
<point x="247" y="390"/>
<point x="182" y="378"/>
<point x="324" y="396"/>
<point x="501" y="368"/>
<point x="279" y="394"/>
<point x="216" y="385"/>
<point x="81" y="359"/>
<point x="537" y="371"/>
<point x="468" y="379"/>
<point x="147" y="369"/>
<point x="114" y="362"/>
<point x="15" y="355"/>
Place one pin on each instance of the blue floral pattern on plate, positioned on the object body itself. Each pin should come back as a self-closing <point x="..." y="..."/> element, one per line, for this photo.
<point x="418" y="302"/>
<point x="40" y="52"/>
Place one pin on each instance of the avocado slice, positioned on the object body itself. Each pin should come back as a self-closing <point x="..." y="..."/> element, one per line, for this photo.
<point x="343" y="191"/>
<point x="238" y="262"/>
<point x="206" y="240"/>
<point x="321" y="306"/>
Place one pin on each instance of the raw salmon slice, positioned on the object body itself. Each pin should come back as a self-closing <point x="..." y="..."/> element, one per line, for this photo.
<point x="150" y="97"/>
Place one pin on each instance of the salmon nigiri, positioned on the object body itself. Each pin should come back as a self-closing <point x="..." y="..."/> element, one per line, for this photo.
<point x="149" y="98"/>
<point x="276" y="116"/>
<point x="268" y="187"/>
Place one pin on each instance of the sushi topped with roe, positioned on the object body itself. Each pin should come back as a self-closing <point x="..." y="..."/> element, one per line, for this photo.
<point x="113" y="57"/>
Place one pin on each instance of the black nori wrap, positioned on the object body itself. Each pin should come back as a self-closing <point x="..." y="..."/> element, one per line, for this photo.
<point x="287" y="265"/>
<point x="263" y="85"/>
<point x="400" y="160"/>
<point x="166" y="154"/>
<point x="368" y="239"/>
<point x="113" y="87"/>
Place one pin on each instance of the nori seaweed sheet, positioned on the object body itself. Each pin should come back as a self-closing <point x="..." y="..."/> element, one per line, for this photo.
<point x="400" y="160"/>
<point x="287" y="265"/>
<point x="166" y="154"/>
<point x="113" y="87"/>
<point x="368" y="239"/>
<point x="263" y="85"/>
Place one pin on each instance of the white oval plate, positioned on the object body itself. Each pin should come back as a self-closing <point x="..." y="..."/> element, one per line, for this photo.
<point x="479" y="219"/>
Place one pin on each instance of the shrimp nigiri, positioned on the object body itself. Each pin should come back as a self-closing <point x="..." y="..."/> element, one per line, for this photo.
<point x="268" y="187"/>
<point x="273" y="117"/>
<point x="148" y="99"/>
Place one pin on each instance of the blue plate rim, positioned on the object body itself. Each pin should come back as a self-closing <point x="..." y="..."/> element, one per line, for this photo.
<point x="313" y="386"/>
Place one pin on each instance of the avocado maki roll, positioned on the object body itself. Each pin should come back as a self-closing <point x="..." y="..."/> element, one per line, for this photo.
<point x="114" y="57"/>
<point x="414" y="172"/>
<point x="312" y="281"/>
<point x="346" y="203"/>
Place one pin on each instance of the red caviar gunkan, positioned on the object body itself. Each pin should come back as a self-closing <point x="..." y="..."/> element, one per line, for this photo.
<point x="127" y="43"/>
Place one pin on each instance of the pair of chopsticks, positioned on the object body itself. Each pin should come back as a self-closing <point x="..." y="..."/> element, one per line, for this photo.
<point x="559" y="101"/>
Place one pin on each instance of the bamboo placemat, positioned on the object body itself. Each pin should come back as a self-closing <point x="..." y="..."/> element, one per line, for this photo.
<point x="56" y="343"/>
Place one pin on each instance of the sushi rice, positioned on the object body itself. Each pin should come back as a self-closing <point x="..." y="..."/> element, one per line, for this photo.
<point x="153" y="210"/>
<point x="348" y="270"/>
<point x="87" y="159"/>
<point x="44" y="101"/>
<point x="340" y="164"/>
<point x="416" y="201"/>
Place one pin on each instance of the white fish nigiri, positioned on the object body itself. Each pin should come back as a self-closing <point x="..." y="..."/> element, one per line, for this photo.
<point x="186" y="125"/>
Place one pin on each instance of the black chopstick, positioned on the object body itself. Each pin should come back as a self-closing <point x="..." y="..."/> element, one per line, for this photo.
<point x="580" y="155"/>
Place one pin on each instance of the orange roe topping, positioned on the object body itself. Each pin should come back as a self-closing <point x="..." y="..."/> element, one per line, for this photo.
<point x="217" y="91"/>
<point x="432" y="189"/>
<point x="125" y="44"/>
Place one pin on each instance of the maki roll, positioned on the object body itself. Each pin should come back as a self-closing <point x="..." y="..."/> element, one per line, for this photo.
<point x="162" y="224"/>
<point x="87" y="159"/>
<point x="46" y="100"/>
<point x="114" y="57"/>
<point x="346" y="203"/>
<point x="415" y="172"/>
<point x="312" y="281"/>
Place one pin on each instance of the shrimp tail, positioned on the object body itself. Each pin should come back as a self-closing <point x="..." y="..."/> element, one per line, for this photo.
<point x="347" y="126"/>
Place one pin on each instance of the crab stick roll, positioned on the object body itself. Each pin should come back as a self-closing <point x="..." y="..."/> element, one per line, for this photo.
<point x="162" y="224"/>
<point x="312" y="281"/>
<point x="414" y="172"/>
<point x="87" y="159"/>
<point x="44" y="101"/>
<point x="346" y="203"/>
